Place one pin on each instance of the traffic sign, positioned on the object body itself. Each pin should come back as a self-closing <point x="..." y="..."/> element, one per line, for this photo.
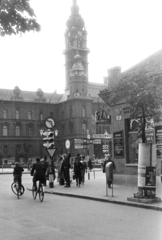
<point x="51" y="151"/>
<point x="49" y="122"/>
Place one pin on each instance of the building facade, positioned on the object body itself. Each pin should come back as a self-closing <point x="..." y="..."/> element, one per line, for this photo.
<point x="23" y="113"/>
<point x="125" y="130"/>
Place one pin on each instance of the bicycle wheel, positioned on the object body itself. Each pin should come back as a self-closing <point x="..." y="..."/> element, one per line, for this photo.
<point x="34" y="192"/>
<point x="41" y="193"/>
<point x="22" y="190"/>
<point x="13" y="187"/>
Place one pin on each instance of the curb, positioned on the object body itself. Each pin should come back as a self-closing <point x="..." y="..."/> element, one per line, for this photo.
<point x="105" y="200"/>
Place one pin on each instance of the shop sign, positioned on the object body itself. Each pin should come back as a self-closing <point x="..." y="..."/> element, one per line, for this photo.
<point x="118" y="144"/>
<point x="102" y="116"/>
<point x="78" y="146"/>
<point x="126" y="110"/>
<point x="105" y="148"/>
<point x="97" y="141"/>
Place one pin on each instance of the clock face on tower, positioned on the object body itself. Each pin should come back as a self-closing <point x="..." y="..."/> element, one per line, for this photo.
<point x="49" y="122"/>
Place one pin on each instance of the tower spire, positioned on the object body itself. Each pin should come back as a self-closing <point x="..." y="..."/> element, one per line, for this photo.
<point x="74" y="8"/>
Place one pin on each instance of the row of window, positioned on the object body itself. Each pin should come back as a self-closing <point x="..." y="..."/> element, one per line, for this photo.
<point x="18" y="149"/>
<point x="17" y="131"/>
<point x="29" y="114"/>
<point x="17" y="115"/>
<point x="30" y="130"/>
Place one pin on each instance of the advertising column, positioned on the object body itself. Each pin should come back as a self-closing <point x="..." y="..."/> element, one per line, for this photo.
<point x="146" y="172"/>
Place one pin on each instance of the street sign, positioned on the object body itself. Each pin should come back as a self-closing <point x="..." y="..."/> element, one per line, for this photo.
<point x="51" y="151"/>
<point x="102" y="136"/>
<point x="49" y="122"/>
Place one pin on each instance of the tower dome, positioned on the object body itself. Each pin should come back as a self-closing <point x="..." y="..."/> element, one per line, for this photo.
<point x="75" y="20"/>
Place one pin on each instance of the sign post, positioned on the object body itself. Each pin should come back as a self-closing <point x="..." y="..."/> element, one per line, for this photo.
<point x="49" y="144"/>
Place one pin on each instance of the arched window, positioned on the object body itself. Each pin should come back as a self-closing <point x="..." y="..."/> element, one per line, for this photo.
<point x="83" y="128"/>
<point x="17" y="131"/>
<point x="40" y="116"/>
<point x="29" y="115"/>
<point x="71" y="112"/>
<point x="5" y="149"/>
<point x="4" y="114"/>
<point x="29" y="131"/>
<point x="83" y="112"/>
<point x="17" y="113"/>
<point x="5" y="131"/>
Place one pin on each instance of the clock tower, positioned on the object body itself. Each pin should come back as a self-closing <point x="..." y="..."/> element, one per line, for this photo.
<point x="76" y="54"/>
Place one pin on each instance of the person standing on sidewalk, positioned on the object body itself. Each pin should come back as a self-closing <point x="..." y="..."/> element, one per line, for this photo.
<point x="90" y="166"/>
<point x="84" y="168"/>
<point x="66" y="168"/>
<point x="60" y="171"/>
<point x="107" y="158"/>
<point x="78" y="170"/>
<point x="109" y="170"/>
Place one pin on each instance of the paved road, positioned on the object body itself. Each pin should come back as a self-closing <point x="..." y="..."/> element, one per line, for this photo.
<point x="62" y="218"/>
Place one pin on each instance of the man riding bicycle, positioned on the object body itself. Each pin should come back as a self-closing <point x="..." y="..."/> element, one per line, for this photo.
<point x="38" y="173"/>
<point x="17" y="173"/>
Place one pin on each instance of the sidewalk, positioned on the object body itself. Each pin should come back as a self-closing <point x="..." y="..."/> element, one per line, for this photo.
<point x="95" y="189"/>
<point x="10" y="170"/>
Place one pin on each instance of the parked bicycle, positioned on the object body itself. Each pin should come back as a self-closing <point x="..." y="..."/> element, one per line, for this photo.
<point x="16" y="188"/>
<point x="39" y="189"/>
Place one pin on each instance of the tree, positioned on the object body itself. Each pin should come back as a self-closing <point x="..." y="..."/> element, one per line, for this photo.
<point x="16" y="16"/>
<point x="142" y="92"/>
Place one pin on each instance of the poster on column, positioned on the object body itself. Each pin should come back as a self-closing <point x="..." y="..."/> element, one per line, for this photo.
<point x="118" y="144"/>
<point x="141" y="176"/>
<point x="158" y="138"/>
<point x="150" y="176"/>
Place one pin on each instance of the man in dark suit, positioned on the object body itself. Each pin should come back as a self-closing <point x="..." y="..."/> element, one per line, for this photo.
<point x="38" y="173"/>
<point x="66" y="167"/>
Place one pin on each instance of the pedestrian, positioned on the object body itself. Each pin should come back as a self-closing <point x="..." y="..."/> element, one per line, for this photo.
<point x="66" y="168"/>
<point x="84" y="168"/>
<point x="90" y="166"/>
<point x="109" y="170"/>
<point x="60" y="171"/>
<point x="78" y="170"/>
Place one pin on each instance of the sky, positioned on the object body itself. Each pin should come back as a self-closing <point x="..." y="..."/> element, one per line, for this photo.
<point x="120" y="33"/>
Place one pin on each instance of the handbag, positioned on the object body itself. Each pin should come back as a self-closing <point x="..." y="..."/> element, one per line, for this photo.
<point x="74" y="177"/>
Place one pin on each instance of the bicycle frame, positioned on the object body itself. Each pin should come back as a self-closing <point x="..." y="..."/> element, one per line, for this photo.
<point x="39" y="189"/>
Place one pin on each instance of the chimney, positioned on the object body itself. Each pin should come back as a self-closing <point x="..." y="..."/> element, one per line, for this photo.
<point x="105" y="80"/>
<point x="114" y="75"/>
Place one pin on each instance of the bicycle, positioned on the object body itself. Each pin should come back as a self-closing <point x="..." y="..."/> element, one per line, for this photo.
<point x="16" y="189"/>
<point x="39" y="189"/>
